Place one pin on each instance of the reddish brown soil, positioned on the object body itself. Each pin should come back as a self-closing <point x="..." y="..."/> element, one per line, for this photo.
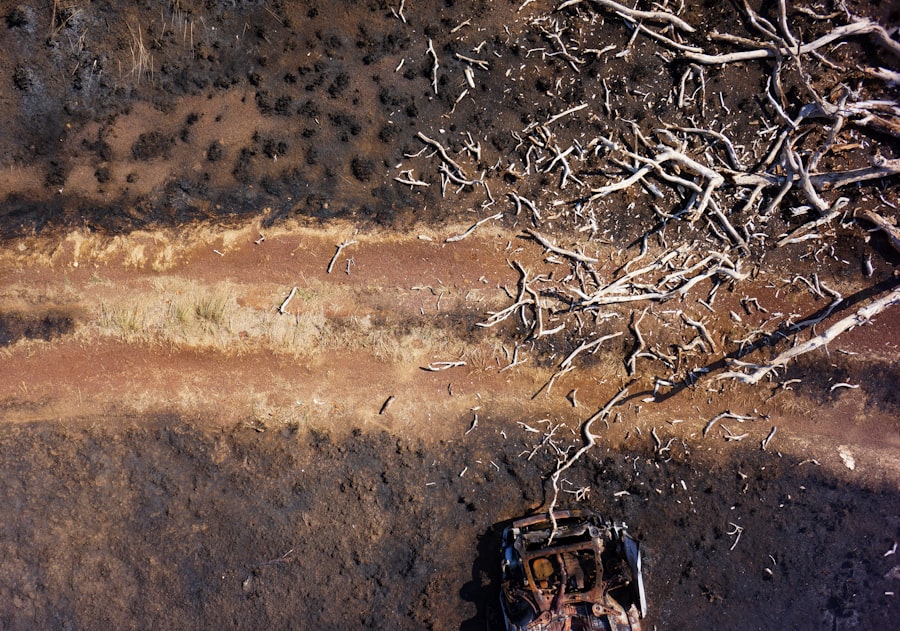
<point x="160" y="482"/>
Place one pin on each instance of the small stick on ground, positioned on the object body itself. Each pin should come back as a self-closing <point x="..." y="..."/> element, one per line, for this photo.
<point x="737" y="530"/>
<point x="581" y="258"/>
<point x="283" y="307"/>
<point x="386" y="404"/>
<point x="765" y="442"/>
<point x="434" y="69"/>
<point x="340" y="248"/>
<point x="460" y="237"/>
<point x="406" y="177"/>
<point x="438" y="366"/>
<point x="571" y="110"/>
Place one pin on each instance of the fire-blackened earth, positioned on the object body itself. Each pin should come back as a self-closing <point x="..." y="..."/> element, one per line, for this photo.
<point x="152" y="522"/>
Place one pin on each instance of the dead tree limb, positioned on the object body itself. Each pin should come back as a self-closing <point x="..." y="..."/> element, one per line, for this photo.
<point x="859" y="27"/>
<point x="798" y="233"/>
<point x="567" y="366"/>
<point x="862" y="316"/>
<point x="704" y="333"/>
<point x="589" y="441"/>
<point x="444" y="156"/>
<point x="544" y="241"/>
<point x="460" y="237"/>
<point x="283" y="307"/>
<point x="820" y="181"/>
<point x="649" y="16"/>
<point x="638" y="341"/>
<point x="434" y="68"/>
<point x="889" y="229"/>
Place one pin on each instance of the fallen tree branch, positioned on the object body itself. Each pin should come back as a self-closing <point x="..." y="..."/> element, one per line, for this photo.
<point x="566" y="365"/>
<point x="495" y="317"/>
<point x="589" y="441"/>
<point x="889" y="229"/>
<point x="444" y="156"/>
<point x="439" y="366"/>
<point x="649" y="16"/>
<point x="713" y="178"/>
<point x="410" y="180"/>
<point x="662" y="296"/>
<point x="859" y="27"/>
<point x="638" y="341"/>
<point x="701" y="328"/>
<point x="460" y="237"/>
<point x="283" y="307"/>
<point x="862" y="316"/>
<point x="340" y="248"/>
<point x="820" y="181"/>
<point x="798" y="233"/>
<point x="434" y="68"/>
<point x="586" y="346"/>
<point x="581" y="258"/>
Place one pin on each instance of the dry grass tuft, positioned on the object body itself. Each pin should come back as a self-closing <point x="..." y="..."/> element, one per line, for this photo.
<point x="184" y="315"/>
<point x="210" y="308"/>
<point x="128" y="321"/>
<point x="141" y="59"/>
<point x="297" y="335"/>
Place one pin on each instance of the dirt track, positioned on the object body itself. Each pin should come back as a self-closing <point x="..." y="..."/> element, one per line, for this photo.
<point x="184" y="446"/>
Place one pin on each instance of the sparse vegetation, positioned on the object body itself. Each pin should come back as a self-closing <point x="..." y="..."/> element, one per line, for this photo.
<point x="141" y="59"/>
<point x="541" y="204"/>
<point x="184" y="314"/>
<point x="129" y="321"/>
<point x="209" y="307"/>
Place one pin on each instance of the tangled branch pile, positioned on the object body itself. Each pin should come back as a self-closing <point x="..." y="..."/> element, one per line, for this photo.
<point x="695" y="193"/>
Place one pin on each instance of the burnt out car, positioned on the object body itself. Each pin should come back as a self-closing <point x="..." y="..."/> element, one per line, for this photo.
<point x="584" y="574"/>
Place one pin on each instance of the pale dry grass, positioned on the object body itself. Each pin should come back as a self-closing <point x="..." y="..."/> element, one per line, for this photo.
<point x="182" y="314"/>
<point x="129" y="321"/>
<point x="141" y="58"/>
<point x="790" y="403"/>
<point x="177" y="312"/>
<point x="297" y="335"/>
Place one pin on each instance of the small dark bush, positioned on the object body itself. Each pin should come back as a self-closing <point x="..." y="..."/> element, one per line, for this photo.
<point x="22" y="79"/>
<point x="153" y="144"/>
<point x="214" y="153"/>
<point x="17" y="18"/>
<point x="362" y="169"/>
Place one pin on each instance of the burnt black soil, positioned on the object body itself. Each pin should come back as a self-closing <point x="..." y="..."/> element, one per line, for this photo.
<point x="330" y="112"/>
<point x="46" y="325"/>
<point x="163" y="525"/>
<point x="122" y="116"/>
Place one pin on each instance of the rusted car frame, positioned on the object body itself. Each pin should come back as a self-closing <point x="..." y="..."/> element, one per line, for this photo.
<point x="575" y="572"/>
